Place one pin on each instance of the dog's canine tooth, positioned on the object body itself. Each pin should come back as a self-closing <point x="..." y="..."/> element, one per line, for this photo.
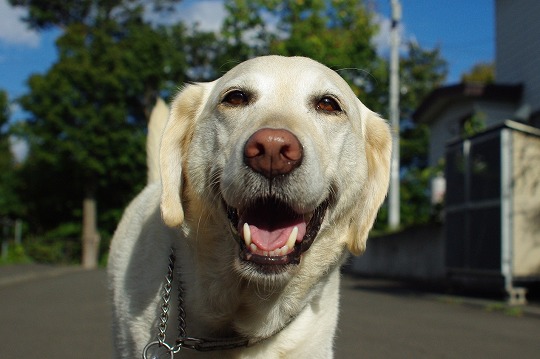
<point x="292" y="237"/>
<point x="247" y="234"/>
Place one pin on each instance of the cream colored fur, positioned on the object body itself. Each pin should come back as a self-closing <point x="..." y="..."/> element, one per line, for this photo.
<point x="346" y="160"/>
<point x="156" y="125"/>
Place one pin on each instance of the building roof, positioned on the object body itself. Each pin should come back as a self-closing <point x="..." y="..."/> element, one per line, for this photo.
<point x="442" y="97"/>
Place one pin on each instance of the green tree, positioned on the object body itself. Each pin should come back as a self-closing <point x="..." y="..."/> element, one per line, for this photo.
<point x="482" y="72"/>
<point x="87" y="121"/>
<point x="245" y="33"/>
<point x="337" y="33"/>
<point x="421" y="71"/>
<point x="44" y="14"/>
<point x="9" y="202"/>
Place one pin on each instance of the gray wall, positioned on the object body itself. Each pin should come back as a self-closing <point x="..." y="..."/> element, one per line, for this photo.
<point x="416" y="253"/>
<point x="517" y="58"/>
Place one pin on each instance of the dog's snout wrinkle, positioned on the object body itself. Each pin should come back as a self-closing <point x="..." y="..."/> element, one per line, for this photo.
<point x="273" y="152"/>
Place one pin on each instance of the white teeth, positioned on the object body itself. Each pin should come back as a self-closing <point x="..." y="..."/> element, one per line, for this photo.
<point x="277" y="252"/>
<point x="247" y="234"/>
<point x="292" y="237"/>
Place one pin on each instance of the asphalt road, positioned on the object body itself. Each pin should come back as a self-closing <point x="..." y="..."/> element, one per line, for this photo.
<point x="63" y="313"/>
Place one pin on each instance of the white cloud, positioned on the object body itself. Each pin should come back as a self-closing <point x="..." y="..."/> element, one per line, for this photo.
<point x="381" y="40"/>
<point x="12" y="29"/>
<point x="208" y="14"/>
<point x="19" y="148"/>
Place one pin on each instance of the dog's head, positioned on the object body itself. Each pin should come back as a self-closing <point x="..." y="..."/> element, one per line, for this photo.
<point x="281" y="151"/>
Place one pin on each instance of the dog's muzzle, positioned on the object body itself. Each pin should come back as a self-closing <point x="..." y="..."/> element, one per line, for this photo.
<point x="270" y="232"/>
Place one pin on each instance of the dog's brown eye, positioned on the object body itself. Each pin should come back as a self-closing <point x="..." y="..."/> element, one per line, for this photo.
<point x="328" y="104"/>
<point x="236" y="98"/>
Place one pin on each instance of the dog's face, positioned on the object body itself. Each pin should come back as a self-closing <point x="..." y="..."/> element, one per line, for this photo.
<point x="283" y="157"/>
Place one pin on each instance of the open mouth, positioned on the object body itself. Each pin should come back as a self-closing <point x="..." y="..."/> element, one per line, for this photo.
<point x="271" y="234"/>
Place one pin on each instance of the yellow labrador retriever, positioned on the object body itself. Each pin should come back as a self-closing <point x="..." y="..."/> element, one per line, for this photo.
<point x="268" y="175"/>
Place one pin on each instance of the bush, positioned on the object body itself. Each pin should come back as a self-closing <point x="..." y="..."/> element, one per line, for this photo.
<point x="61" y="245"/>
<point x="16" y="254"/>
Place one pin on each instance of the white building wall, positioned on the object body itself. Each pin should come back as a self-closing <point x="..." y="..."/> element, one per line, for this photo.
<point x="496" y="112"/>
<point x="447" y="126"/>
<point x="517" y="57"/>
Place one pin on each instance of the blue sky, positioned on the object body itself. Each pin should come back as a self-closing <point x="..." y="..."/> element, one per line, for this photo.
<point x="463" y="29"/>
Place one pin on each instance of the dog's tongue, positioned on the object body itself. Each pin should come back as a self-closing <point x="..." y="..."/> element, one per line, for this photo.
<point x="271" y="239"/>
<point x="271" y="224"/>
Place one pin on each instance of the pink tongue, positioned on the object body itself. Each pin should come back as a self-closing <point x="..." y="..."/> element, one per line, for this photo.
<point x="269" y="240"/>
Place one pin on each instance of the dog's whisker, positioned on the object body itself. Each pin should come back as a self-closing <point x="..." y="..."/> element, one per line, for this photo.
<point x="364" y="72"/>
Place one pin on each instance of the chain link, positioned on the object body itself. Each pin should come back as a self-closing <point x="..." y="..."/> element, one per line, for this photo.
<point x="181" y="318"/>
<point x="165" y="307"/>
<point x="166" y="298"/>
<point x="182" y="340"/>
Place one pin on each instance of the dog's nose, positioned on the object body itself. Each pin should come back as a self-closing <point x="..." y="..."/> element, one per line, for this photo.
<point x="273" y="152"/>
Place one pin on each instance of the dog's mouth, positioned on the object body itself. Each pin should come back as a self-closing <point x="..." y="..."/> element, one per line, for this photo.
<point x="271" y="234"/>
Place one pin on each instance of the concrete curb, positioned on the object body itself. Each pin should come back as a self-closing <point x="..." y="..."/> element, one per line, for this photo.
<point x="397" y="287"/>
<point x="490" y="305"/>
<point x="20" y="273"/>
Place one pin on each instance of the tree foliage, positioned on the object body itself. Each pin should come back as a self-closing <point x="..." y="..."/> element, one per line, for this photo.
<point x="86" y="124"/>
<point x="10" y="205"/>
<point x="337" y="33"/>
<point x="421" y="72"/>
<point x="43" y="14"/>
<point x="481" y="73"/>
<point x="87" y="113"/>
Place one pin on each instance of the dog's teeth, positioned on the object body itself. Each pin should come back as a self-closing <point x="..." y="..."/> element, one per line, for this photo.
<point x="247" y="234"/>
<point x="276" y="252"/>
<point x="292" y="237"/>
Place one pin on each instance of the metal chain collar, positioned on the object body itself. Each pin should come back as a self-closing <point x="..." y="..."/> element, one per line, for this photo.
<point x="160" y="348"/>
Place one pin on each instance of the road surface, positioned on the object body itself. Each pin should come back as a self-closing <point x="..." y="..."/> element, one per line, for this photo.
<point x="63" y="313"/>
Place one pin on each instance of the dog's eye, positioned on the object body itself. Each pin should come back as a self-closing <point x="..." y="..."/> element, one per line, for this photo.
<point x="236" y="98"/>
<point x="328" y="104"/>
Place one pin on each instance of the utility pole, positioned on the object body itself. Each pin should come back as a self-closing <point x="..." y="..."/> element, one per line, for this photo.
<point x="393" y="194"/>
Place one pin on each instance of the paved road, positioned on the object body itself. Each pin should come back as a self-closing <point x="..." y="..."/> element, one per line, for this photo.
<point x="387" y="322"/>
<point x="58" y="315"/>
<point x="63" y="313"/>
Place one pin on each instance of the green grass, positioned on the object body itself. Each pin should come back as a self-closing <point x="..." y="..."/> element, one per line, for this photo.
<point x="15" y="255"/>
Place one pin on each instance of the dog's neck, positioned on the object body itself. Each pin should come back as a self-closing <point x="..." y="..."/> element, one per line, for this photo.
<point x="224" y="304"/>
<point x="227" y="339"/>
<point x="221" y="302"/>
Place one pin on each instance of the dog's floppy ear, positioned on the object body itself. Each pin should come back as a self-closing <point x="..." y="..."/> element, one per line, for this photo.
<point x="177" y="135"/>
<point x="378" y="147"/>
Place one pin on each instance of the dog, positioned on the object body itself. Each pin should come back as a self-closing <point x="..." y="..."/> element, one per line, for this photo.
<point x="270" y="175"/>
